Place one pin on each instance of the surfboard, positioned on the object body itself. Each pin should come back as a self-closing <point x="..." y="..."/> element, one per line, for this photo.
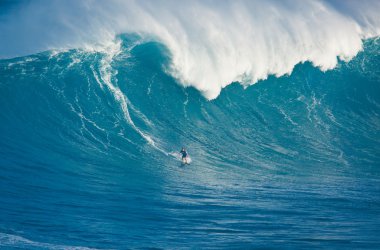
<point x="188" y="160"/>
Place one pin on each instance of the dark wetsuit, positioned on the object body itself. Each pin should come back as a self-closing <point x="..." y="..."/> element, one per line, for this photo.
<point x="184" y="153"/>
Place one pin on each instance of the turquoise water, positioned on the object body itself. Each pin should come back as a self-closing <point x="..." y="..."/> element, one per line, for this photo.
<point x="86" y="144"/>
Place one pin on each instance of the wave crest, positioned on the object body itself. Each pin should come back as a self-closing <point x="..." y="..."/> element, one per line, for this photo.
<point x="212" y="43"/>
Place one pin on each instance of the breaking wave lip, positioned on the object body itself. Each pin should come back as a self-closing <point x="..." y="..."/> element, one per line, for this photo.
<point x="212" y="44"/>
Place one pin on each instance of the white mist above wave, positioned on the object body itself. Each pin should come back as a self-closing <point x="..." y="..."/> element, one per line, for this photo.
<point x="212" y="43"/>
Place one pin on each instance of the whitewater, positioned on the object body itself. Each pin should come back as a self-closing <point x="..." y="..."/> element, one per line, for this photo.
<point x="277" y="102"/>
<point x="212" y="43"/>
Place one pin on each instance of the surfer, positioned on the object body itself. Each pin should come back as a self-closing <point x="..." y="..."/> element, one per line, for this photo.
<point x="184" y="155"/>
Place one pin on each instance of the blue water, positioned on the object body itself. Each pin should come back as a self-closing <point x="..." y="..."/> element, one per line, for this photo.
<point x="86" y="142"/>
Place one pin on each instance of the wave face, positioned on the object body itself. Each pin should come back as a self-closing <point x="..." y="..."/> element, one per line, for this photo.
<point x="87" y="140"/>
<point x="212" y="43"/>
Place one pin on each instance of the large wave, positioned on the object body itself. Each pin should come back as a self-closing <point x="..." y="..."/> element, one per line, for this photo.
<point x="87" y="138"/>
<point x="89" y="128"/>
<point x="124" y="83"/>
<point x="212" y="43"/>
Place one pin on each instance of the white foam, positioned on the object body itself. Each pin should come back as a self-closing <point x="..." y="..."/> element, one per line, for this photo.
<point x="212" y="43"/>
<point x="15" y="241"/>
<point x="106" y="76"/>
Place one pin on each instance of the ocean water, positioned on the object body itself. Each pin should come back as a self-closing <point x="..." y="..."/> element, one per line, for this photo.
<point x="89" y="137"/>
<point x="85" y="155"/>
